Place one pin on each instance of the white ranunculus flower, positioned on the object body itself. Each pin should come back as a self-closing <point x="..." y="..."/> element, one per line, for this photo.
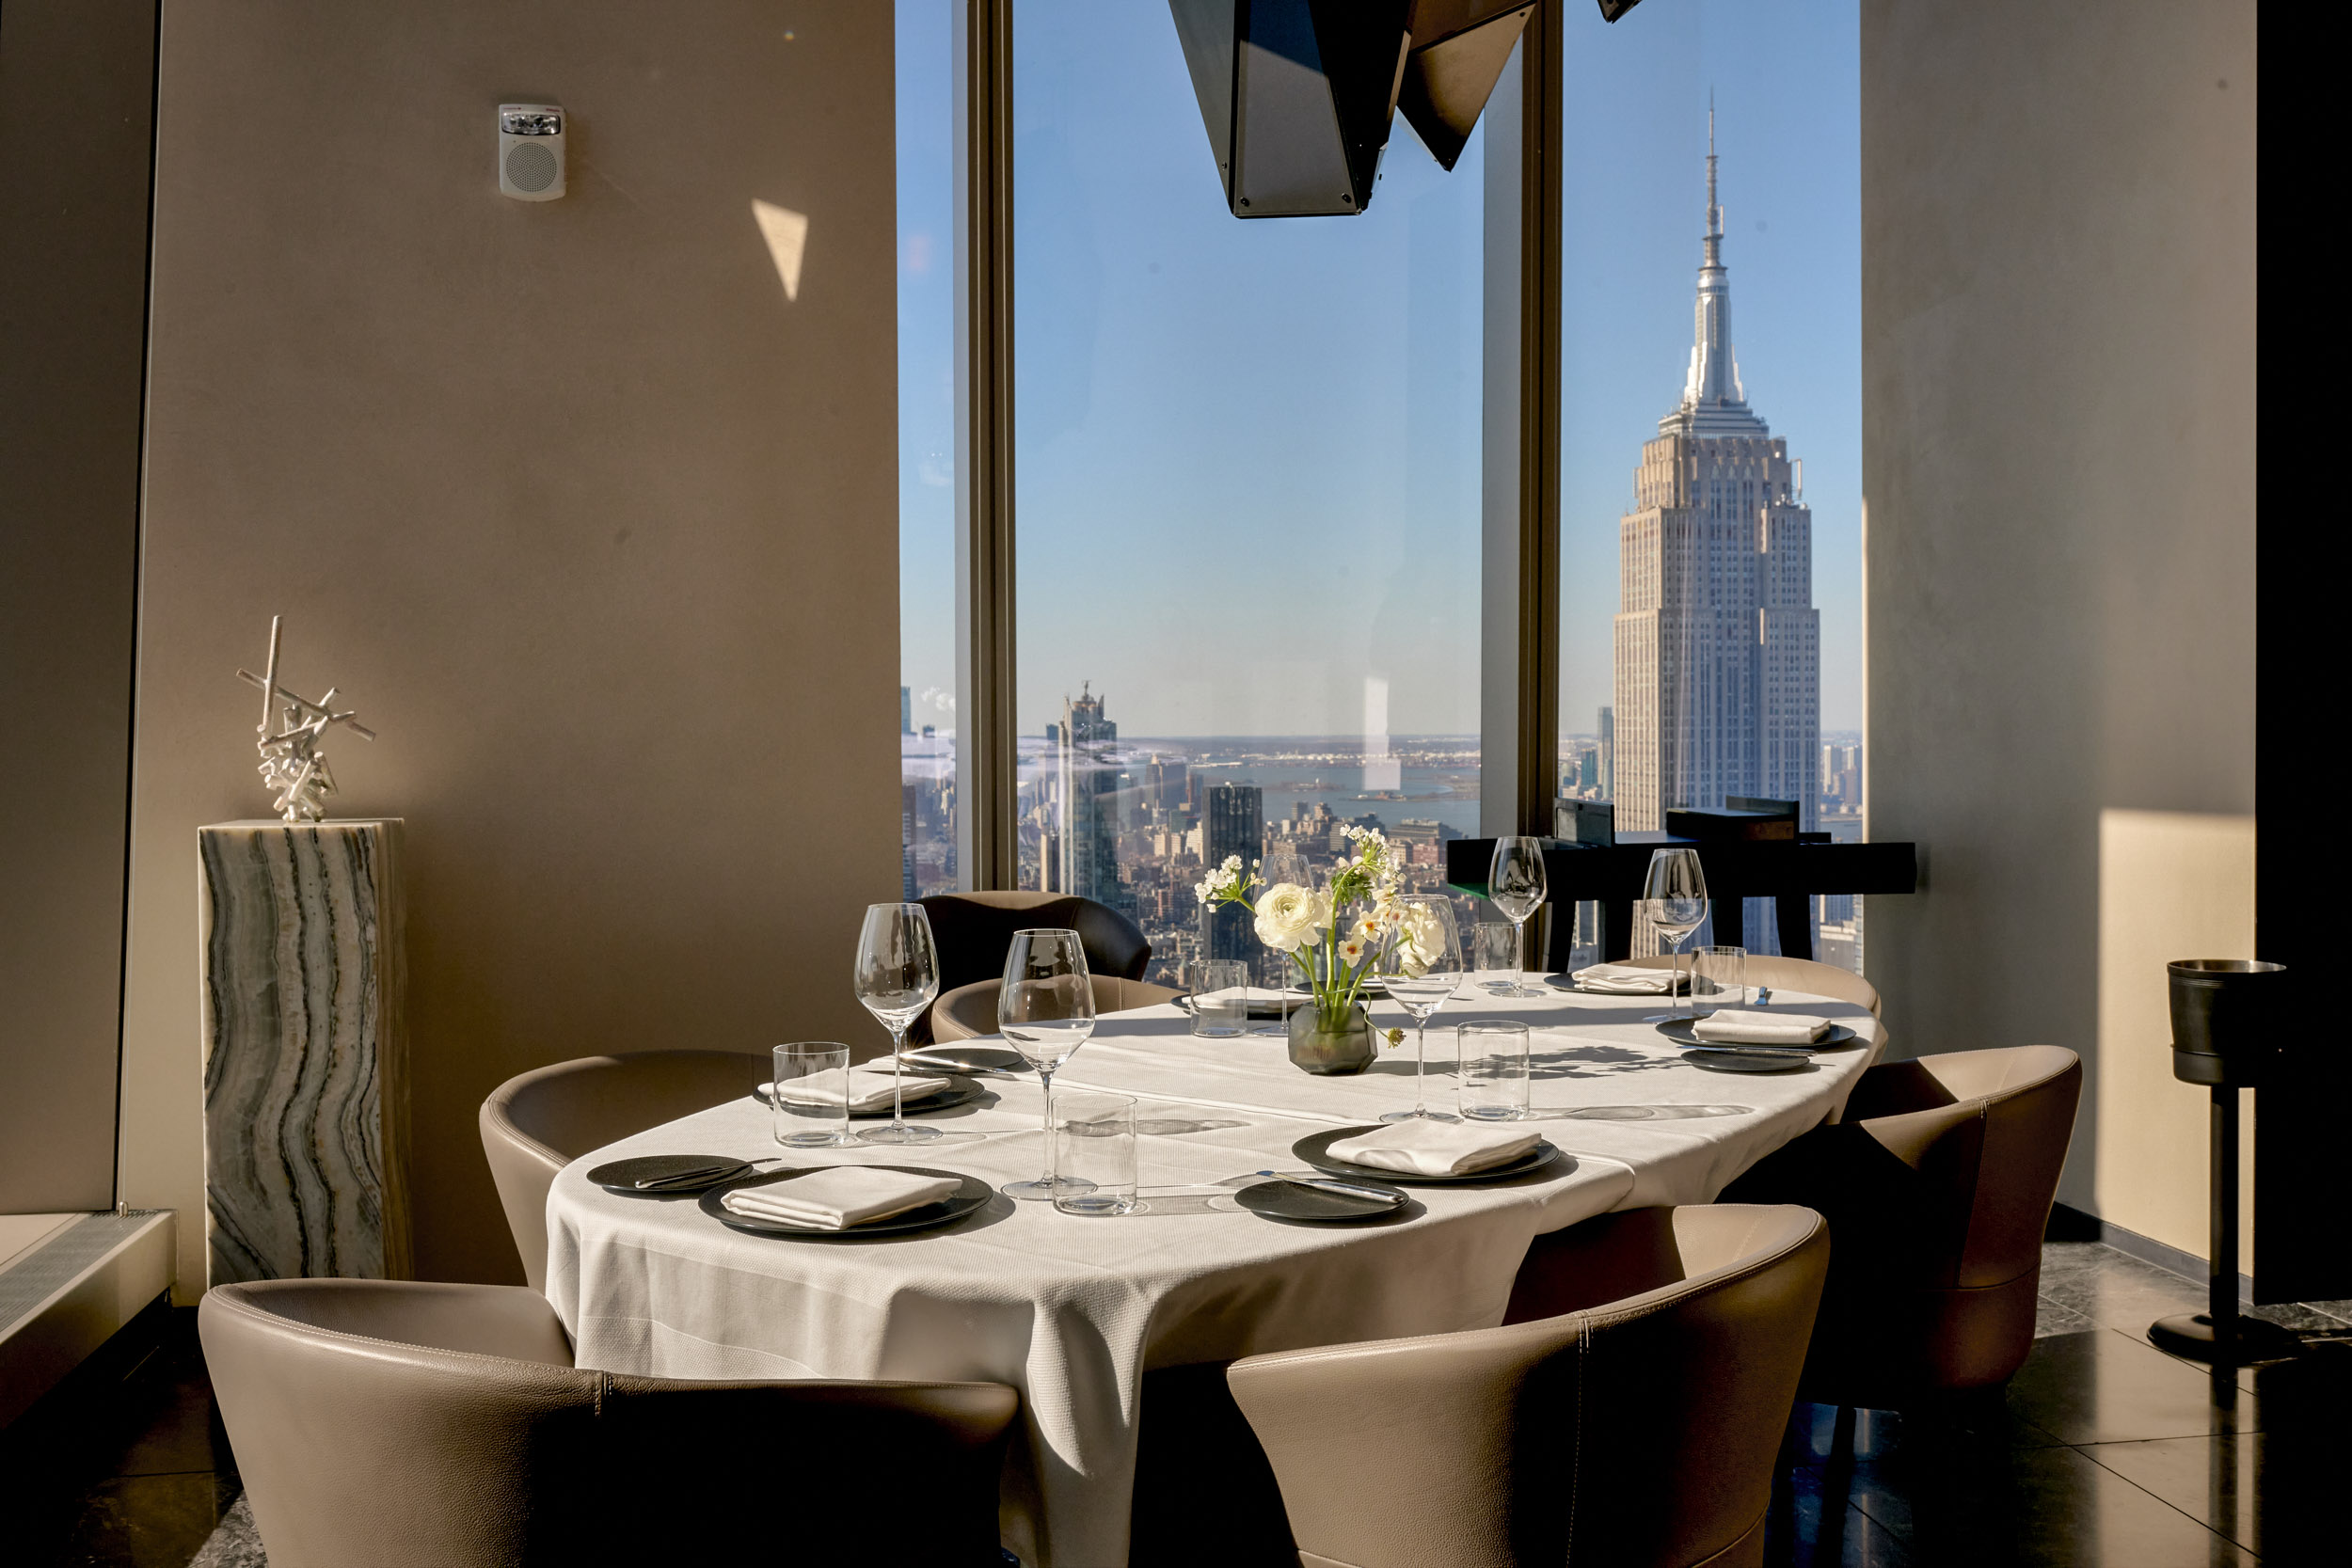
<point x="1289" y="917"/>
<point x="1417" y="939"/>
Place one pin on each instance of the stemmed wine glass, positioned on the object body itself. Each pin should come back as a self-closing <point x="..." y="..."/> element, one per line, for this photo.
<point x="1285" y="865"/>
<point x="1515" y="884"/>
<point x="1426" y="941"/>
<point x="1045" y="1010"/>
<point x="897" y="975"/>
<point x="1673" y="899"/>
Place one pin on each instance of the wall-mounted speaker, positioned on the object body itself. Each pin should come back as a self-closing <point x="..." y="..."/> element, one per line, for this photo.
<point x="531" y="151"/>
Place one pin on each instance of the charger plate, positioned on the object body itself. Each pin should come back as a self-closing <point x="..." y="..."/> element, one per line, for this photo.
<point x="1311" y="1150"/>
<point x="960" y="1091"/>
<point x="973" y="1193"/>
<point x="1679" y="1030"/>
<point x="622" y="1176"/>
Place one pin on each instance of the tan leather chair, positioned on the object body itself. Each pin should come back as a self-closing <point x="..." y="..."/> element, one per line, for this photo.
<point x="1937" y="1184"/>
<point x="383" y="1422"/>
<point x="535" y="1124"/>
<point x="969" y="1011"/>
<point x="1804" y="974"/>
<point x="1628" y="1412"/>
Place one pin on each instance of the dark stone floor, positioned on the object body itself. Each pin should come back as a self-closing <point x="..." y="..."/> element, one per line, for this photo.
<point x="2104" y="1453"/>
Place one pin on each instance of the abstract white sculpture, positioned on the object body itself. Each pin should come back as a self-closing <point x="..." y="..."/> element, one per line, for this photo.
<point x="293" y="766"/>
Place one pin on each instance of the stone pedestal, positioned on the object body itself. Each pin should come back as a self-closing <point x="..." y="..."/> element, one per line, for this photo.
<point x="305" y="1088"/>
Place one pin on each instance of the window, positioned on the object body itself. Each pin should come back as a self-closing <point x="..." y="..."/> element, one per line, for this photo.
<point x="927" y="411"/>
<point x="1247" y="460"/>
<point x="1712" y="474"/>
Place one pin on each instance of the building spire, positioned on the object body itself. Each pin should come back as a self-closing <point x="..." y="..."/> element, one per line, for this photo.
<point x="1714" y="401"/>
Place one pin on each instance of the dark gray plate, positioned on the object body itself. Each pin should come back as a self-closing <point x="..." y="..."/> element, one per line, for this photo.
<point x="960" y="1091"/>
<point x="1679" y="1031"/>
<point x="971" y="1195"/>
<point x="1567" y="982"/>
<point x="1746" y="1061"/>
<point x="1279" y="1199"/>
<point x="622" y="1176"/>
<point x="1311" y="1150"/>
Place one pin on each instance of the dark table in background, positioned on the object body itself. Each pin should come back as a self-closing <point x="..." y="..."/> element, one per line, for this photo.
<point x="1610" y="874"/>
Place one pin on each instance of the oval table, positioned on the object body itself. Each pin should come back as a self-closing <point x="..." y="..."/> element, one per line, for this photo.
<point x="1073" y="1311"/>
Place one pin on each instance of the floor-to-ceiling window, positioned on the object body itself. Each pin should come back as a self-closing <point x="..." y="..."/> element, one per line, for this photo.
<point x="927" y="444"/>
<point x="1711" y="425"/>
<point x="1248" y="469"/>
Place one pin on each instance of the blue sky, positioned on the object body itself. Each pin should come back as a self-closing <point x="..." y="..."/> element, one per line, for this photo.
<point x="1248" y="452"/>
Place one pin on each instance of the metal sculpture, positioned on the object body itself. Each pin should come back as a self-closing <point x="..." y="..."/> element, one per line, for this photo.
<point x="294" y="768"/>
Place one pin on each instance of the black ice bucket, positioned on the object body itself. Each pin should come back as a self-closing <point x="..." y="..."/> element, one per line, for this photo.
<point x="2226" y="1016"/>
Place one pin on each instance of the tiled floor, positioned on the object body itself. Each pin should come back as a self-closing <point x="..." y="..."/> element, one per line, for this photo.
<point x="2102" y="1453"/>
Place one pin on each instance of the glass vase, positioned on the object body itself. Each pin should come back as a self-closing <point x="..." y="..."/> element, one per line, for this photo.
<point x="1331" y="1053"/>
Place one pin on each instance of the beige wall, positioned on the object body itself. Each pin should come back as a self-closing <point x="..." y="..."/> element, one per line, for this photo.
<point x="595" y="526"/>
<point x="2058" y="464"/>
<point x="76" y="86"/>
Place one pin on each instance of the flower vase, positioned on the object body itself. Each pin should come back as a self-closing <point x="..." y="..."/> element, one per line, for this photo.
<point x="1331" y="1053"/>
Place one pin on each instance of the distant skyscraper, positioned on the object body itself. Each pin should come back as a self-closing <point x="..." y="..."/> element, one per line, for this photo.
<point x="1235" y="825"/>
<point x="906" y="711"/>
<point x="1089" y="770"/>
<point x="1718" y="644"/>
<point x="1608" y="754"/>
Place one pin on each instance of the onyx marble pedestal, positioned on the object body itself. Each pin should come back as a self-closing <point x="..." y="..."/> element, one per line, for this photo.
<point x="306" y="1092"/>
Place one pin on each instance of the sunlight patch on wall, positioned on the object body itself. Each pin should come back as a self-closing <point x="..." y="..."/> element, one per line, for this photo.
<point x="787" y="233"/>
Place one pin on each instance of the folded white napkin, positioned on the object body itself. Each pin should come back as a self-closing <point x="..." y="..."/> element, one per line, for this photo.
<point x="868" y="1088"/>
<point x="1435" y="1148"/>
<point x="839" y="1197"/>
<point x="1627" y="980"/>
<point x="1738" y="1026"/>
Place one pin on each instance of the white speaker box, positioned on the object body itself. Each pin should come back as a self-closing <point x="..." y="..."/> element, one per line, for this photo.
<point x="531" y="151"/>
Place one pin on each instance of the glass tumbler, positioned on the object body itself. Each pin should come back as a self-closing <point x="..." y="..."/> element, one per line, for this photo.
<point x="1095" y="1144"/>
<point x="1220" y="997"/>
<point x="1495" y="949"/>
<point x="1492" y="1071"/>
<point x="812" y="1094"/>
<point x="1719" y="978"/>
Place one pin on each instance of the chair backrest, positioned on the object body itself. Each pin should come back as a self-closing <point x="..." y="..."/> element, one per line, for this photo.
<point x="1986" y="1132"/>
<point x="973" y="933"/>
<point x="535" y="1124"/>
<point x="1801" y="974"/>
<point x="969" y="1011"/>
<point x="388" y="1422"/>
<point x="1638" y="1432"/>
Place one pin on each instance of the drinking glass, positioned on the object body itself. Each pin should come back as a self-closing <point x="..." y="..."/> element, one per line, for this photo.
<point x="822" y="1068"/>
<point x="1284" y="863"/>
<point x="1095" y="1139"/>
<point x="1045" y="1010"/>
<point x="1492" y="1072"/>
<point x="897" y="975"/>
<point x="1220" y="997"/>
<point x="1515" y="884"/>
<point x="1720" y="974"/>
<point x="1496" y="943"/>
<point x="1421" y="966"/>
<point x="1673" y="899"/>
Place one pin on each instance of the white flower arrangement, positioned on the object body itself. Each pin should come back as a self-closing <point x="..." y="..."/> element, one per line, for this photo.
<point x="1305" y="924"/>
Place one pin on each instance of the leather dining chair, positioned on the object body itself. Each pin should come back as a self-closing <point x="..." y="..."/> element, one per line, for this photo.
<point x="971" y="1010"/>
<point x="1937" y="1184"/>
<point x="1628" y="1412"/>
<point x="395" y="1424"/>
<point x="1799" y="974"/>
<point x="535" y="1124"/>
<point x="973" y="933"/>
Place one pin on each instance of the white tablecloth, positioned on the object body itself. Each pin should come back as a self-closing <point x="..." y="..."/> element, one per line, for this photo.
<point x="1072" y="1310"/>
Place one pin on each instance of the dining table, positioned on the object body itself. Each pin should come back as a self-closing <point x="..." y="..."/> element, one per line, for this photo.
<point x="1073" y="1311"/>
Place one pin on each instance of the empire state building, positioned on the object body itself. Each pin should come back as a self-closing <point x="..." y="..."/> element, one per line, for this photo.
<point x="1718" y="644"/>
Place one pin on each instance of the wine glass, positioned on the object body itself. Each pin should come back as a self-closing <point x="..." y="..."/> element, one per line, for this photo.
<point x="1045" y="1011"/>
<point x="897" y="975"/>
<point x="1515" y="884"/>
<point x="1421" y="966"/>
<point x="1285" y="865"/>
<point x="1673" y="899"/>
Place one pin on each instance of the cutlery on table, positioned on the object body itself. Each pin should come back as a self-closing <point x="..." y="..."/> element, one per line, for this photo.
<point x="700" y="1173"/>
<point x="1328" y="1185"/>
